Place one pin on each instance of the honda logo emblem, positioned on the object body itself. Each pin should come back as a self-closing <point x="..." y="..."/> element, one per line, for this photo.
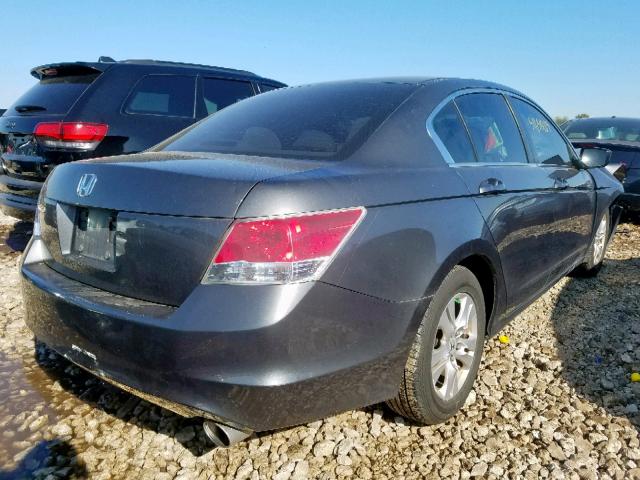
<point x="86" y="184"/>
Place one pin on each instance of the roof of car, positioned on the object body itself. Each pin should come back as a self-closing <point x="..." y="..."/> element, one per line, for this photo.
<point x="448" y="83"/>
<point x="608" y="119"/>
<point x="105" y="62"/>
<point x="424" y="80"/>
<point x="166" y="63"/>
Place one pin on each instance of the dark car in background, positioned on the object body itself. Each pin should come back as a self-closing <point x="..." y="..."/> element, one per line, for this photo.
<point x="85" y="110"/>
<point x="315" y="249"/>
<point x="622" y="137"/>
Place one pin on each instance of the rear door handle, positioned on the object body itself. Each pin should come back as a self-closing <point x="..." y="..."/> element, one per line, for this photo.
<point x="492" y="185"/>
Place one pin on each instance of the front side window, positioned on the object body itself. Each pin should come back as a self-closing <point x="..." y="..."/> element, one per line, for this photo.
<point x="219" y="93"/>
<point x="170" y="95"/>
<point x="451" y="131"/>
<point x="493" y="130"/>
<point x="546" y="144"/>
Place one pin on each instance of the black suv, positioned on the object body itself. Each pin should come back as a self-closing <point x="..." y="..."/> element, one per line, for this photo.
<point x="83" y="110"/>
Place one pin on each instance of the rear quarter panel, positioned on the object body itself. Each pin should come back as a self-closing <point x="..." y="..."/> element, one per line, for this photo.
<point x="419" y="224"/>
<point x="101" y="104"/>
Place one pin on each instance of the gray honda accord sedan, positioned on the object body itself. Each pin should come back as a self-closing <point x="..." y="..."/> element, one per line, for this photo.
<point x="315" y="249"/>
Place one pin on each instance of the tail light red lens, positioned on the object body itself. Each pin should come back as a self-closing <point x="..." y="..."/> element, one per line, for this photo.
<point x="70" y="135"/>
<point x="283" y="249"/>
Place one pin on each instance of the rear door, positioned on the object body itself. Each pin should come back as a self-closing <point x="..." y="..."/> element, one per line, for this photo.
<point x="574" y="187"/>
<point x="517" y="199"/>
<point x="49" y="100"/>
<point x="158" y="106"/>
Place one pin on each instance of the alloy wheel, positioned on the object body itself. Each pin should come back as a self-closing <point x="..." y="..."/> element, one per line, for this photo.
<point x="455" y="346"/>
<point x="600" y="241"/>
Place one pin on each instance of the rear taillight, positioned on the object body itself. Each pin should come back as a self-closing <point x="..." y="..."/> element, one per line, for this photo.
<point x="70" y="135"/>
<point x="282" y="249"/>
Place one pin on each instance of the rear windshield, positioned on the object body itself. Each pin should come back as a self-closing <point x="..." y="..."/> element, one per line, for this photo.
<point x="52" y="95"/>
<point x="627" y="130"/>
<point x="327" y="121"/>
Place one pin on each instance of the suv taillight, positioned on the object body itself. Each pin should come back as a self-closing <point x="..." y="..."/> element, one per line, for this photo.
<point x="282" y="249"/>
<point x="70" y="135"/>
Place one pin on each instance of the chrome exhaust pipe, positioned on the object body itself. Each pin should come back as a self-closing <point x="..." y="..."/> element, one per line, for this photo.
<point x="223" y="435"/>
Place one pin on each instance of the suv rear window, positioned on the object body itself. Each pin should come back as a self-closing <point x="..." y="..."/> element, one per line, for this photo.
<point x="327" y="121"/>
<point x="52" y="95"/>
<point x="170" y="95"/>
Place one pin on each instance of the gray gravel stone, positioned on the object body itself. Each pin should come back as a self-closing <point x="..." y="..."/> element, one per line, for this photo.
<point x="324" y="448"/>
<point x="556" y="402"/>
<point x="479" y="469"/>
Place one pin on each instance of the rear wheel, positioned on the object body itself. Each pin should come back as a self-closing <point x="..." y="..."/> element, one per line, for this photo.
<point x="597" y="249"/>
<point x="444" y="359"/>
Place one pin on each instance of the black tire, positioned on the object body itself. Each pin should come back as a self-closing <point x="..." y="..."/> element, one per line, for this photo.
<point x="417" y="398"/>
<point x="591" y="267"/>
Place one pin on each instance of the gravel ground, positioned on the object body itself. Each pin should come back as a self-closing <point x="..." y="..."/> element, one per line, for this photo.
<point x="556" y="402"/>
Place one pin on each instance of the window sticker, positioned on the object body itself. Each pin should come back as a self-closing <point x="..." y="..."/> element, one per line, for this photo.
<point x="494" y="139"/>
<point x="539" y="124"/>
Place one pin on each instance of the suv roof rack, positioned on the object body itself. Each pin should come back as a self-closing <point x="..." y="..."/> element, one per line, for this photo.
<point x="147" y="61"/>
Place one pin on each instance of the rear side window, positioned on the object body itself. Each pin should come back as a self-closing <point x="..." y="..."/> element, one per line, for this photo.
<point x="52" y="95"/>
<point x="546" y="144"/>
<point x="493" y="129"/>
<point x="264" y="88"/>
<point x="326" y="121"/>
<point x="219" y="93"/>
<point x="451" y="131"/>
<point x="170" y="95"/>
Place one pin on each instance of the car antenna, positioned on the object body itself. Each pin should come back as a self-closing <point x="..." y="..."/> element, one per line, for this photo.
<point x="105" y="59"/>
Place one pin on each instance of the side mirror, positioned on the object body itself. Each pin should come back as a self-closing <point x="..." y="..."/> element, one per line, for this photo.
<point x="595" y="157"/>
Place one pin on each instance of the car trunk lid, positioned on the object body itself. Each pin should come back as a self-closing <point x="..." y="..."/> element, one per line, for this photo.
<point x="169" y="183"/>
<point x="147" y="225"/>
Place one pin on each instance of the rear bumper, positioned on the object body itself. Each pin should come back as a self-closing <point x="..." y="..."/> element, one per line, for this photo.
<point x="258" y="357"/>
<point x="15" y="207"/>
<point x="19" y="198"/>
